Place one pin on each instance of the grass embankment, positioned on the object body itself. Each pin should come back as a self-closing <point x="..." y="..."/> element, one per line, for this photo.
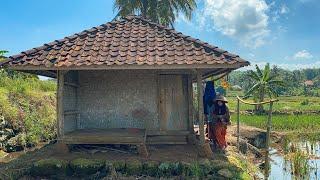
<point x="27" y="110"/>
<point x="285" y="104"/>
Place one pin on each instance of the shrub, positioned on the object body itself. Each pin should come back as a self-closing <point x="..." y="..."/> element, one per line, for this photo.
<point x="83" y="166"/>
<point x="134" y="167"/>
<point x="119" y="166"/>
<point x="27" y="105"/>
<point x="17" y="142"/>
<point x="150" y="168"/>
<point x="48" y="167"/>
<point x="305" y="102"/>
<point x="167" y="169"/>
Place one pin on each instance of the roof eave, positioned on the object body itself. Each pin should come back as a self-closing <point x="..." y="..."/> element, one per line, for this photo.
<point x="132" y="66"/>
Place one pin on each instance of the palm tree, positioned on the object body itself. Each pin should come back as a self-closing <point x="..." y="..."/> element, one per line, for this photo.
<point x="163" y="12"/>
<point x="264" y="83"/>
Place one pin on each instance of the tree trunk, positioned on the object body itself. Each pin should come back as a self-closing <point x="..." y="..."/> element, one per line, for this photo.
<point x="261" y="99"/>
<point x="256" y="100"/>
<point x="144" y="8"/>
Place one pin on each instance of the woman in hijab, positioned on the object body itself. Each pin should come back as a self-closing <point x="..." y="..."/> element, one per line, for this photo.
<point x="221" y="116"/>
<point x="208" y="98"/>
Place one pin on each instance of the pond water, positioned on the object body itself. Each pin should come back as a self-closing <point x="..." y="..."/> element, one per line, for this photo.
<point x="299" y="160"/>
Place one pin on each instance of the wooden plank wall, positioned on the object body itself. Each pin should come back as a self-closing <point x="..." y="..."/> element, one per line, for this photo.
<point x="174" y="113"/>
<point x="70" y="101"/>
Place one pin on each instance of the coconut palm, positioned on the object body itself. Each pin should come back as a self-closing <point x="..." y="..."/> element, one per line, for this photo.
<point x="163" y="12"/>
<point x="264" y="84"/>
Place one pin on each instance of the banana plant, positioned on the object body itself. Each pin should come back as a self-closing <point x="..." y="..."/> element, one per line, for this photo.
<point x="264" y="84"/>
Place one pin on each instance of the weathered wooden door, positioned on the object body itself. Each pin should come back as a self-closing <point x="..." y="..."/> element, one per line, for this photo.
<point x="173" y="102"/>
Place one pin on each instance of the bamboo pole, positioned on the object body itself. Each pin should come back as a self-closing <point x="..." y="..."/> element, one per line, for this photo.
<point x="238" y="124"/>
<point x="259" y="103"/>
<point x="269" y="122"/>
<point x="268" y="141"/>
<point x="200" y="107"/>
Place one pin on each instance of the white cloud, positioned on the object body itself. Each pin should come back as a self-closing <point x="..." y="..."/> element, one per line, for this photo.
<point x="251" y="55"/>
<point x="303" y="54"/>
<point x="246" y="21"/>
<point x="278" y="11"/>
<point x="183" y="19"/>
<point x="284" y="9"/>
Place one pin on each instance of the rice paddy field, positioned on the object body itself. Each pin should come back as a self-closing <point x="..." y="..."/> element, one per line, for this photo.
<point x="284" y="122"/>
<point x="291" y="114"/>
<point x="285" y="104"/>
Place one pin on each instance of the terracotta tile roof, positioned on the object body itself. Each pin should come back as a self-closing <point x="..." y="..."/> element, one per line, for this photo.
<point x="131" y="41"/>
<point x="308" y="83"/>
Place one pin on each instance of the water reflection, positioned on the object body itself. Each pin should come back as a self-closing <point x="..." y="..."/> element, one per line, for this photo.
<point x="297" y="160"/>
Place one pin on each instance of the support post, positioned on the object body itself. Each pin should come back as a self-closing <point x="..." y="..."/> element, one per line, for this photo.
<point x="200" y="107"/>
<point x="268" y="141"/>
<point x="60" y="111"/>
<point x="238" y="124"/>
<point x="192" y="136"/>
<point x="204" y="148"/>
<point x="77" y="101"/>
<point x="61" y="148"/>
<point x="190" y="104"/>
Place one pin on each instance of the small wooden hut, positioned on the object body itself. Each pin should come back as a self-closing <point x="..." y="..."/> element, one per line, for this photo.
<point x="126" y="82"/>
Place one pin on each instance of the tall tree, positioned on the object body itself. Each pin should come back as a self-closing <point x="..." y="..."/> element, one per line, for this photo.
<point x="163" y="12"/>
<point x="2" y="52"/>
<point x="264" y="84"/>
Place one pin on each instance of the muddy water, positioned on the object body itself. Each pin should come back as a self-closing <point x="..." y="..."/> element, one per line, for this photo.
<point x="289" y="164"/>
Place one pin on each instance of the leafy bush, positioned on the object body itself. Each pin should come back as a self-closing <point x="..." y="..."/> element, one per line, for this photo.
<point x="27" y="106"/>
<point x="305" y="102"/>
<point x="150" y="168"/>
<point x="134" y="167"/>
<point x="83" y="166"/>
<point x="47" y="167"/>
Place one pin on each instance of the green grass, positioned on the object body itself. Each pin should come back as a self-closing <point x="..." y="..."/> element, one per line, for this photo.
<point x="304" y="122"/>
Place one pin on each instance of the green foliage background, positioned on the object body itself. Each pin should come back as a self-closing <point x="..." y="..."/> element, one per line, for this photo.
<point x="294" y="81"/>
<point x="27" y="110"/>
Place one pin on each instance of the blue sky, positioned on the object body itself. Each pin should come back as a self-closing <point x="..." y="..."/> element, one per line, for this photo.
<point x="286" y="33"/>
